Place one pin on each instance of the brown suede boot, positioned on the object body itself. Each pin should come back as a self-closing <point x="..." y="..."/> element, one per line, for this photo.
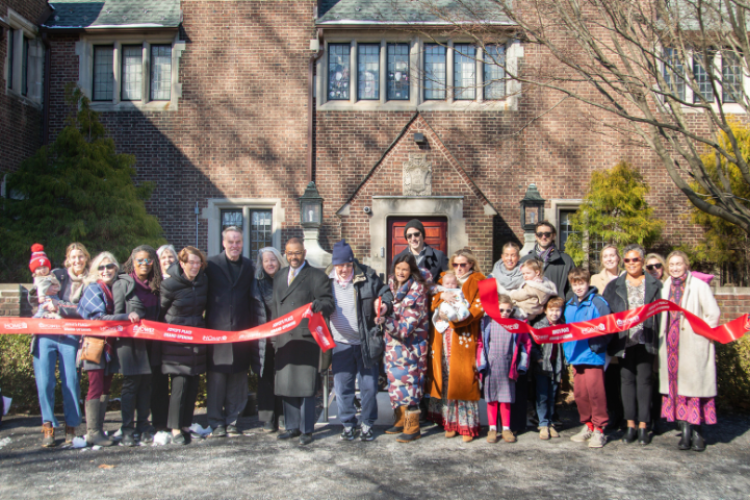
<point x="70" y="433"/>
<point x="399" y="417"/>
<point x="411" y="428"/>
<point x="48" y="441"/>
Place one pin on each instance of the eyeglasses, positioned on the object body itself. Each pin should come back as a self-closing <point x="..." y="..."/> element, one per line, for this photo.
<point x="633" y="261"/>
<point x="651" y="267"/>
<point x="464" y="264"/>
<point x="546" y="234"/>
<point x="503" y="311"/>
<point x="107" y="266"/>
<point x="413" y="235"/>
<point x="144" y="262"/>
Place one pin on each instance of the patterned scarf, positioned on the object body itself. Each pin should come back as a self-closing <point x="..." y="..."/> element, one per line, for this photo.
<point x="544" y="254"/>
<point x="108" y="298"/>
<point x="676" y="289"/>
<point x="403" y="290"/>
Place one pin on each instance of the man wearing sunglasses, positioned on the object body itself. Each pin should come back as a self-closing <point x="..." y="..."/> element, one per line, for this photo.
<point x="231" y="306"/>
<point x="428" y="258"/>
<point x="557" y="264"/>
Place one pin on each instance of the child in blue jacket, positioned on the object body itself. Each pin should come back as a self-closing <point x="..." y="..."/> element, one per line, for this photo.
<point x="588" y="359"/>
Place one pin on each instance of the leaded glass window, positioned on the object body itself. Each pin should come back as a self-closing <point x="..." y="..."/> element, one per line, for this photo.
<point x="731" y="77"/>
<point x="368" y="71"/>
<point x="104" y="78"/>
<point x="261" y="234"/>
<point x="398" y="71"/>
<point x="25" y="67"/>
<point x="464" y="72"/>
<point x="161" y="72"/>
<point x="674" y="73"/>
<point x="434" y="71"/>
<point x="338" y="71"/>
<point x="702" y="79"/>
<point x="132" y="72"/>
<point x="494" y="72"/>
<point x="229" y="217"/>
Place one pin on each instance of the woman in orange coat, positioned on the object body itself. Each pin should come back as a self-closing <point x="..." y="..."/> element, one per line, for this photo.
<point x="454" y="385"/>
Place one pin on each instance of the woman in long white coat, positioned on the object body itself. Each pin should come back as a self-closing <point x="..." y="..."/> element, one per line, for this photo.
<point x="687" y="366"/>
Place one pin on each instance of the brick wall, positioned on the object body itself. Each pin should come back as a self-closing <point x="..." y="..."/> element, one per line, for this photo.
<point x="20" y="122"/>
<point x="10" y="299"/>
<point x="734" y="302"/>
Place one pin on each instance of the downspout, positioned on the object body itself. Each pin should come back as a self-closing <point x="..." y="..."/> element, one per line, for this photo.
<point x="310" y="103"/>
<point x="47" y="84"/>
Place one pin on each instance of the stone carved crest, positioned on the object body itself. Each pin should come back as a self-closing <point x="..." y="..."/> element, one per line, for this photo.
<point x="418" y="175"/>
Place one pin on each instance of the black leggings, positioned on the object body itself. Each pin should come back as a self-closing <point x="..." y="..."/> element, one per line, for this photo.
<point x="635" y="377"/>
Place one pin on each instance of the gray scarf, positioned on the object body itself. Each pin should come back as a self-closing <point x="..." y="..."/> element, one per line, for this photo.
<point x="510" y="280"/>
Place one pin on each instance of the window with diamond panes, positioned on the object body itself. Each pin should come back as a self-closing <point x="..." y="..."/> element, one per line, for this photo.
<point x="338" y="71"/>
<point x="398" y="71"/>
<point x="261" y="234"/>
<point x="434" y="71"/>
<point x="494" y="72"/>
<point x="104" y="78"/>
<point x="229" y="217"/>
<point x="731" y="77"/>
<point x="132" y="72"/>
<point x="674" y="73"/>
<point x="161" y="72"/>
<point x="25" y="67"/>
<point x="368" y="71"/>
<point x="464" y="72"/>
<point x="702" y="79"/>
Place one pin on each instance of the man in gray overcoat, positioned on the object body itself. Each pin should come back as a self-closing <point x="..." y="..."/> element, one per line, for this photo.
<point x="298" y="356"/>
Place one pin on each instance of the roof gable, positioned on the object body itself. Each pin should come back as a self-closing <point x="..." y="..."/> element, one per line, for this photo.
<point x="79" y="14"/>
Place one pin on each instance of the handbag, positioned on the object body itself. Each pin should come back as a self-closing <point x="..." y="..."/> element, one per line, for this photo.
<point x="92" y="349"/>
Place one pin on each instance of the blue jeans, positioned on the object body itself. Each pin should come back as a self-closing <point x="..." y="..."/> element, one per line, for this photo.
<point x="50" y="348"/>
<point x="546" y="394"/>
<point x="347" y="364"/>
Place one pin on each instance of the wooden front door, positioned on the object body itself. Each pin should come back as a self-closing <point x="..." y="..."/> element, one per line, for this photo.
<point x="435" y="227"/>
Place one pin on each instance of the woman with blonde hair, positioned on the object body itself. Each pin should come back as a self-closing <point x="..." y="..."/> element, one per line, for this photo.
<point x="656" y="266"/>
<point x="687" y="361"/>
<point x="610" y="268"/>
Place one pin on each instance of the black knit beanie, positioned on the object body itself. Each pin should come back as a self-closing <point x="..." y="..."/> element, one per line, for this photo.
<point x="414" y="223"/>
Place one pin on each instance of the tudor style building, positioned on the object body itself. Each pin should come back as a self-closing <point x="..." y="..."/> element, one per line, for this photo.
<point x="233" y="106"/>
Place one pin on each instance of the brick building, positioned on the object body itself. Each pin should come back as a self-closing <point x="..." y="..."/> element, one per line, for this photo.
<point x="233" y="106"/>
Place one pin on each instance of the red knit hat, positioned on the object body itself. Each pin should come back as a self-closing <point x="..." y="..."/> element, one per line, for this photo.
<point x="38" y="258"/>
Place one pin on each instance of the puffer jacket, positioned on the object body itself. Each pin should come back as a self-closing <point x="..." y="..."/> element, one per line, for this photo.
<point x="183" y="303"/>
<point x="586" y="351"/>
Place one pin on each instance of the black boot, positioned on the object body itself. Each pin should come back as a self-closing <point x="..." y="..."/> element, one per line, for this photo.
<point x="644" y="437"/>
<point x="631" y="434"/>
<point x="685" y="439"/>
<point x="699" y="444"/>
<point x="680" y="426"/>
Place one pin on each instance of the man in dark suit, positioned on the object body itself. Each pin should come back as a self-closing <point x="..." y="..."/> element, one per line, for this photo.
<point x="298" y="357"/>
<point x="231" y="306"/>
<point x="427" y="257"/>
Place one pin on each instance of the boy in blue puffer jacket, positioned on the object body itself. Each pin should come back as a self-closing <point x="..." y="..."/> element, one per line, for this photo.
<point x="587" y="358"/>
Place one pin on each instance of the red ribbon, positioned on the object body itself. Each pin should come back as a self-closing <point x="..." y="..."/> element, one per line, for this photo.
<point x="153" y="330"/>
<point x="611" y="323"/>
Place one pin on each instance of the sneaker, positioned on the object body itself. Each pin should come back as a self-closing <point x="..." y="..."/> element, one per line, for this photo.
<point x="348" y="434"/>
<point x="583" y="436"/>
<point x="219" y="432"/>
<point x="553" y="432"/>
<point x="232" y="431"/>
<point x="127" y="439"/>
<point x="544" y="433"/>
<point x="492" y="437"/>
<point x="367" y="435"/>
<point x="508" y="436"/>
<point x="598" y="439"/>
<point x="147" y="437"/>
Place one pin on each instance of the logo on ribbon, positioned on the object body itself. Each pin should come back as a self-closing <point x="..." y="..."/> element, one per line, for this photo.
<point x="16" y="326"/>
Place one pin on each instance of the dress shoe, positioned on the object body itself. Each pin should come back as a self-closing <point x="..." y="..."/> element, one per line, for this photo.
<point x="270" y="426"/>
<point x="644" y="437"/>
<point x="305" y="439"/>
<point x="631" y="434"/>
<point x="289" y="434"/>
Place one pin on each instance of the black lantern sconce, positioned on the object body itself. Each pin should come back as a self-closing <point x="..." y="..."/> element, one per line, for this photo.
<point x="311" y="207"/>
<point x="532" y="208"/>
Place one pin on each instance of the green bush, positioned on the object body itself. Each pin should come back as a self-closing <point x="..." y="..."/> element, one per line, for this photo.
<point x="733" y="375"/>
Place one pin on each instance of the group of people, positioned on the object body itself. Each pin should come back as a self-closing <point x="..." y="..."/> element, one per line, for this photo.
<point x="425" y="325"/>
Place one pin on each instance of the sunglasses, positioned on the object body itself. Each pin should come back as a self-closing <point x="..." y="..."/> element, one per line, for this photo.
<point x="413" y="235"/>
<point x="503" y="311"/>
<point x="465" y="264"/>
<point x="632" y="261"/>
<point x="107" y="266"/>
<point x="144" y="262"/>
<point x="651" y="267"/>
<point x="546" y="234"/>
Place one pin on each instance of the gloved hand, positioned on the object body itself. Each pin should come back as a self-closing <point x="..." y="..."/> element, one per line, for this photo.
<point x="316" y="306"/>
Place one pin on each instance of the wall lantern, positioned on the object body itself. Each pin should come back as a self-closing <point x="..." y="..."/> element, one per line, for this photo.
<point x="532" y="208"/>
<point x="311" y="207"/>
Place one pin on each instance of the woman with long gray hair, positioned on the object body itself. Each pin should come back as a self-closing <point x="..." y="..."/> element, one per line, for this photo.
<point x="270" y="407"/>
<point x="137" y="291"/>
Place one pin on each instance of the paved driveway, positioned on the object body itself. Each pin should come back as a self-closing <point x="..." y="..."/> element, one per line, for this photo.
<point x="260" y="466"/>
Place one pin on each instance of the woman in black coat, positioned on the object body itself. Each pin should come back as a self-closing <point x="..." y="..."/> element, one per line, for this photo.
<point x="637" y="346"/>
<point x="183" y="301"/>
<point x="137" y="290"/>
